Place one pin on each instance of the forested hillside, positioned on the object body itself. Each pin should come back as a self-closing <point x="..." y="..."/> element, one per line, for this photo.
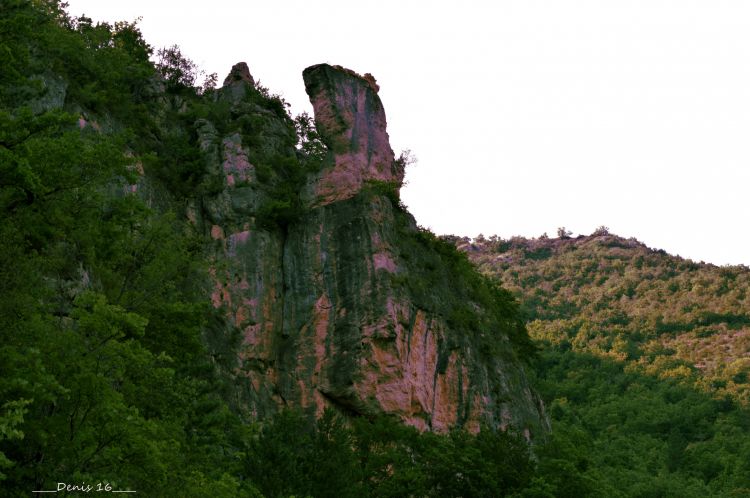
<point x="644" y="358"/>
<point x="103" y="371"/>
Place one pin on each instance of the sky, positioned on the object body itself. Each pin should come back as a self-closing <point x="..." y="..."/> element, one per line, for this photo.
<point x="525" y="115"/>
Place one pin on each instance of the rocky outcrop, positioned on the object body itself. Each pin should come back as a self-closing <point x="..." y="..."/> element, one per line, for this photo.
<point x="321" y="302"/>
<point x="54" y="89"/>
<point x="351" y="121"/>
<point x="239" y="72"/>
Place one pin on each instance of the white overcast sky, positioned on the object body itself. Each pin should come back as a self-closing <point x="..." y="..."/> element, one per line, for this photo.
<point x="524" y="115"/>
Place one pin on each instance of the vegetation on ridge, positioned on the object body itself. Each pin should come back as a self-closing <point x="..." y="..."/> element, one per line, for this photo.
<point x="644" y="356"/>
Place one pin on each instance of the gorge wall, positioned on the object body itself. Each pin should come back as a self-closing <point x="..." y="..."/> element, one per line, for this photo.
<point x="340" y="299"/>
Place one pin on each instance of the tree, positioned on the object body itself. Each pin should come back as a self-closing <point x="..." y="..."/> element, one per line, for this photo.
<point x="311" y="147"/>
<point x="100" y="323"/>
<point x="177" y="69"/>
<point x="210" y="82"/>
<point x="406" y="158"/>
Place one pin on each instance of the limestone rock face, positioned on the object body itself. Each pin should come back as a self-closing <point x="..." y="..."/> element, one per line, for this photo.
<point x="351" y="121"/>
<point x="53" y="95"/>
<point x="320" y="303"/>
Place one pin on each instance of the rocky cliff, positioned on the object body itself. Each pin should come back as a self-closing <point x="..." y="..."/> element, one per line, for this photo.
<point x="340" y="298"/>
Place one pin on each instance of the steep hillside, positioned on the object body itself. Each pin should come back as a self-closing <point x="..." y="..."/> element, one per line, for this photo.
<point x="341" y="299"/>
<point x="191" y="277"/>
<point x="645" y="357"/>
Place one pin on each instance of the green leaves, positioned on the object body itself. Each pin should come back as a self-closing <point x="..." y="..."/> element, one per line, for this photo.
<point x="640" y="370"/>
<point x="100" y="322"/>
<point x="11" y="417"/>
<point x="312" y="149"/>
<point x="103" y="374"/>
<point x="292" y="455"/>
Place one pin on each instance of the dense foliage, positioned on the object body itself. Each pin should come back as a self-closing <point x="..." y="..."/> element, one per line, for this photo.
<point x="449" y="286"/>
<point x="382" y="457"/>
<point x="103" y="372"/>
<point x="645" y="356"/>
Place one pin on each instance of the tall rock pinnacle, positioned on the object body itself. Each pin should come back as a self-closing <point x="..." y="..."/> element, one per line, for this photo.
<point x="345" y="306"/>
<point x="351" y="121"/>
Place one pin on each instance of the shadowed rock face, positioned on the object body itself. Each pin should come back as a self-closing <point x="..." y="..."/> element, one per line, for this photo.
<point x="351" y="121"/>
<point x="239" y="72"/>
<point x="321" y="306"/>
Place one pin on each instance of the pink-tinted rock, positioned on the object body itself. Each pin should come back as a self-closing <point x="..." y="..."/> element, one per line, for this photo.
<point x="217" y="233"/>
<point x="323" y="303"/>
<point x="236" y="166"/>
<point x="239" y="72"/>
<point x="351" y="121"/>
<point x="384" y="261"/>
